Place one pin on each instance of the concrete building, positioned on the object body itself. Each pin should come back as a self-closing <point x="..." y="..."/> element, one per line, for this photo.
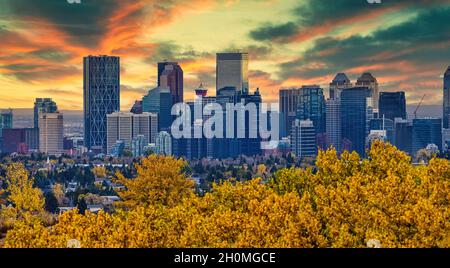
<point x="51" y="133"/>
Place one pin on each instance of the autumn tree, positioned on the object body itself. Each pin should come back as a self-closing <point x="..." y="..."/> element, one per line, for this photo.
<point x="159" y="180"/>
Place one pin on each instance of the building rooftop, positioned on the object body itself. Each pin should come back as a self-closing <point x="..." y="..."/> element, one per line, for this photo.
<point x="340" y="78"/>
<point x="367" y="78"/>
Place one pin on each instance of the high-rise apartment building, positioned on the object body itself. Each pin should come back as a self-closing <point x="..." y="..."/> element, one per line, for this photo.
<point x="392" y="105"/>
<point x="303" y="138"/>
<point x="101" y="97"/>
<point x="288" y="101"/>
<point x="43" y="105"/>
<point x="51" y="133"/>
<point x="126" y="126"/>
<point x="232" y="71"/>
<point x="333" y="125"/>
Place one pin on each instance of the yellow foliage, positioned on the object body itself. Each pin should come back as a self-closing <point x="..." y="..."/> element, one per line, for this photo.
<point x="345" y="201"/>
<point x="160" y="180"/>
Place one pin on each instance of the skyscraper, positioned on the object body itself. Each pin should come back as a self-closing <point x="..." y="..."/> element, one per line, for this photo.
<point x="354" y="117"/>
<point x="51" y="133"/>
<point x="403" y="135"/>
<point x="446" y="120"/>
<point x="339" y="83"/>
<point x="159" y="101"/>
<point x="369" y="81"/>
<point x="303" y="139"/>
<point x="333" y="126"/>
<point x="125" y="126"/>
<point x="425" y="132"/>
<point x="6" y="122"/>
<point x="311" y="105"/>
<point x="232" y="71"/>
<point x="170" y="74"/>
<point x="43" y="105"/>
<point x="288" y="109"/>
<point x="101" y="97"/>
<point x="392" y="105"/>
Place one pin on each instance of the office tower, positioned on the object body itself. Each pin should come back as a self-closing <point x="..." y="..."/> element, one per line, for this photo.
<point x="125" y="126"/>
<point x="137" y="107"/>
<point x="101" y="97"/>
<point x="164" y="143"/>
<point x="383" y="124"/>
<point x="392" y="105"/>
<point x="232" y="71"/>
<point x="369" y="81"/>
<point x="355" y="118"/>
<point x="159" y="101"/>
<point x="20" y="140"/>
<point x="170" y="75"/>
<point x="43" y="105"/>
<point x="425" y="132"/>
<point x="51" y="133"/>
<point x="403" y="135"/>
<point x="6" y="122"/>
<point x="288" y="101"/>
<point x="251" y="146"/>
<point x="333" y="126"/>
<point x="339" y="83"/>
<point x="446" y="139"/>
<point x="446" y="121"/>
<point x="303" y="138"/>
<point x="138" y="145"/>
<point x="311" y="105"/>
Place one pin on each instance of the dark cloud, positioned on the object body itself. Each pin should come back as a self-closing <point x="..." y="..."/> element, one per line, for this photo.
<point x="313" y="13"/>
<point x="85" y="22"/>
<point x="420" y="41"/>
<point x="270" y="31"/>
<point x="35" y="72"/>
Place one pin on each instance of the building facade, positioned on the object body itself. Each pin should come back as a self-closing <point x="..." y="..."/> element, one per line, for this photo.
<point x="446" y="118"/>
<point x="354" y="117"/>
<point x="369" y="81"/>
<point x="333" y="125"/>
<point x="101" y="90"/>
<point x="125" y="126"/>
<point x="392" y="105"/>
<point x="425" y="132"/>
<point x="51" y="133"/>
<point x="170" y="74"/>
<point x="339" y="83"/>
<point x="232" y="71"/>
<point x="303" y="138"/>
<point x="288" y="101"/>
<point x="311" y="105"/>
<point x="43" y="105"/>
<point x="164" y="143"/>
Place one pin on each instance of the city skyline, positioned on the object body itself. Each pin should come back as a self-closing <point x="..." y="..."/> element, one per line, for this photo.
<point x="294" y="48"/>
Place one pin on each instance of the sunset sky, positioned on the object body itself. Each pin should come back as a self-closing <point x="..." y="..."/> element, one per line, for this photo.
<point x="404" y="43"/>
